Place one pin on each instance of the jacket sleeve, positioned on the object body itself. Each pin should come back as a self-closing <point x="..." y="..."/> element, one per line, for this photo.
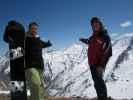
<point x="44" y="44"/>
<point x="107" y="51"/>
<point x="107" y="46"/>
<point x="86" y="41"/>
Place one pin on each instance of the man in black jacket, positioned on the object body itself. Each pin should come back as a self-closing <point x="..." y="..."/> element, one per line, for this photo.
<point x="34" y="62"/>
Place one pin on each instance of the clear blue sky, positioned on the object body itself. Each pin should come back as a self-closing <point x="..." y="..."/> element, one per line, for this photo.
<point x="63" y="21"/>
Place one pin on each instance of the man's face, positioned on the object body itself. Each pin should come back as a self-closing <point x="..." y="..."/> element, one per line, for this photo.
<point x="96" y="26"/>
<point x="33" y="29"/>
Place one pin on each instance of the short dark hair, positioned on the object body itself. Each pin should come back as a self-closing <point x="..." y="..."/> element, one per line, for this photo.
<point x="95" y="19"/>
<point x="33" y="23"/>
<point x="12" y="22"/>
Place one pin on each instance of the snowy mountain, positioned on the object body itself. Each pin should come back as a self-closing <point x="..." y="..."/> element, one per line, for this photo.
<point x="67" y="71"/>
<point x="4" y="71"/>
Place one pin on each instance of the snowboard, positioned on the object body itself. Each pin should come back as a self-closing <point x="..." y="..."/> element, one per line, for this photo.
<point x="15" y="36"/>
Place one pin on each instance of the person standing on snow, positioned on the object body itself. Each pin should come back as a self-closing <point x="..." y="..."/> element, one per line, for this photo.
<point x="34" y="62"/>
<point x="99" y="52"/>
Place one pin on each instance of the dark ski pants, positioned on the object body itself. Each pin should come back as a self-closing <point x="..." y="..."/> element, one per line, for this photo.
<point x="99" y="84"/>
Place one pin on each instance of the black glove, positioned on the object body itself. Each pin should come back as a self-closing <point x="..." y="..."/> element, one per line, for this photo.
<point x="84" y="40"/>
<point x="49" y="43"/>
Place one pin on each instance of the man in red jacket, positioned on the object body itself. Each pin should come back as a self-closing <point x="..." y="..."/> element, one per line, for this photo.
<point x="99" y="52"/>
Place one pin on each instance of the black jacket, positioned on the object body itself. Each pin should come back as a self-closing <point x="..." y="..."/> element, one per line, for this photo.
<point x="33" y="52"/>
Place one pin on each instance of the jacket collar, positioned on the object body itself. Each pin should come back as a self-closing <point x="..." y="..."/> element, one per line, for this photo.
<point x="30" y="35"/>
<point x="101" y="33"/>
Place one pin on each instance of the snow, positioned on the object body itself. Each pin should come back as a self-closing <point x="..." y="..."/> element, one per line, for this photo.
<point x="120" y="89"/>
<point x="117" y="49"/>
<point x="5" y="92"/>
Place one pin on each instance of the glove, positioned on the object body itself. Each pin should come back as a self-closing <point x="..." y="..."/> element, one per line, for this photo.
<point x="84" y="40"/>
<point x="49" y="43"/>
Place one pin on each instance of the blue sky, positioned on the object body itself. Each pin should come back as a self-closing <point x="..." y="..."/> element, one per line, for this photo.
<point x="64" y="21"/>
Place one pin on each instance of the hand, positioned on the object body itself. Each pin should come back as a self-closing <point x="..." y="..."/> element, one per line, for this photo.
<point x="81" y="39"/>
<point x="49" y="43"/>
<point x="84" y="40"/>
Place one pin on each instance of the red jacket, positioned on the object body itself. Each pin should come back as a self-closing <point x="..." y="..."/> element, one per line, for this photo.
<point x="99" y="49"/>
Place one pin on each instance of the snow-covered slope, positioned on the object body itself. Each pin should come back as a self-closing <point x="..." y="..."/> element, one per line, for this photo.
<point x="67" y="72"/>
<point x="4" y="71"/>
